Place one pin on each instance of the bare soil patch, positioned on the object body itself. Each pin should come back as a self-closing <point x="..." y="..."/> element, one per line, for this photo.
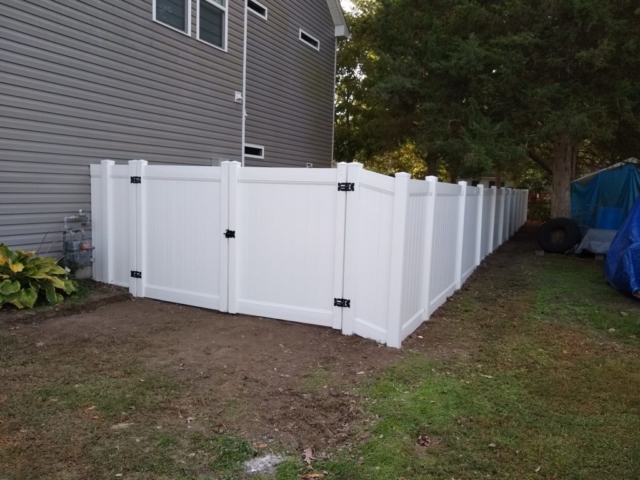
<point x="266" y="380"/>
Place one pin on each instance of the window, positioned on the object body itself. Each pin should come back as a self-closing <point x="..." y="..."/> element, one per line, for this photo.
<point x="253" y="151"/>
<point x="309" y="40"/>
<point x="257" y="8"/>
<point x="212" y="22"/>
<point x="174" y="14"/>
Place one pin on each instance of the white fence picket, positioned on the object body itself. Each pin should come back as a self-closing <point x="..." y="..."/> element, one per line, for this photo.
<point x="343" y="248"/>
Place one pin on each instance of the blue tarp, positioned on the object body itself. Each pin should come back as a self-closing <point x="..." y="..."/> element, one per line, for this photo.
<point x="605" y="199"/>
<point x="622" y="265"/>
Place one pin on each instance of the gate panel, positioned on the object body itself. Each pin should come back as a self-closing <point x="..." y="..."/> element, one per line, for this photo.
<point x="181" y="243"/>
<point x="286" y="254"/>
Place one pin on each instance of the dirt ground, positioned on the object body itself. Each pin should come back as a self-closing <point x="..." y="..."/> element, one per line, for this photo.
<point x="264" y="380"/>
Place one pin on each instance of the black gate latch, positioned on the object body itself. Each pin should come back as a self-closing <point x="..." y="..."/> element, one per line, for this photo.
<point x="342" y="303"/>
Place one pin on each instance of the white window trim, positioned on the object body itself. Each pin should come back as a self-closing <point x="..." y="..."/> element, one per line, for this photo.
<point x="248" y="155"/>
<point x="188" y="32"/>
<point x="307" y="43"/>
<point x="266" y="10"/>
<point x="225" y="36"/>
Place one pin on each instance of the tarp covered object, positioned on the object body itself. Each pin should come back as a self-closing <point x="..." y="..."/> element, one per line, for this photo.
<point x="604" y="199"/>
<point x="622" y="265"/>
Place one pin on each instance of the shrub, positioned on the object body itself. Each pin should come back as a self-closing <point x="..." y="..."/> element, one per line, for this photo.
<point x="26" y="278"/>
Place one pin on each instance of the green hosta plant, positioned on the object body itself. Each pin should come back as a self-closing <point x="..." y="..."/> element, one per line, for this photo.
<point x="25" y="278"/>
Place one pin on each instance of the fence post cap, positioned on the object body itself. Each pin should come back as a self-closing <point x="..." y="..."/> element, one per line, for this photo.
<point x="462" y="182"/>
<point x="402" y="175"/>
<point x="431" y="178"/>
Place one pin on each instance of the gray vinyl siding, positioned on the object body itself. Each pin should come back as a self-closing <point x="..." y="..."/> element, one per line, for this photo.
<point x="290" y="86"/>
<point x="87" y="80"/>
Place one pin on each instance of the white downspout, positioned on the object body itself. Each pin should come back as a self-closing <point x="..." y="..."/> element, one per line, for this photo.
<point x="244" y="80"/>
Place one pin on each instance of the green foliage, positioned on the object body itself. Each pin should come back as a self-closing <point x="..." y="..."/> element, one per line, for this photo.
<point x="480" y="86"/>
<point x="26" y="279"/>
<point x="539" y="211"/>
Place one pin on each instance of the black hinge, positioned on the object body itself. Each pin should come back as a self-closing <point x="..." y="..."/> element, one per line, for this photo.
<point x="346" y="187"/>
<point x="136" y="179"/>
<point x="230" y="234"/>
<point x="135" y="274"/>
<point x="342" y="303"/>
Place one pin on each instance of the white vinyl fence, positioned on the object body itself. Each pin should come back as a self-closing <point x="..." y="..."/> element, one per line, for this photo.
<point x="339" y="247"/>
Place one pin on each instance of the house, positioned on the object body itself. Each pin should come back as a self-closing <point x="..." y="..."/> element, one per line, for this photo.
<point x="169" y="81"/>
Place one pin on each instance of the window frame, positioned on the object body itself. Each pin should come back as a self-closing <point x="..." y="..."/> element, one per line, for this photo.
<point x="266" y="10"/>
<point x="188" y="18"/>
<point x="225" y="34"/>
<point x="250" y="145"/>
<point x="306" y="42"/>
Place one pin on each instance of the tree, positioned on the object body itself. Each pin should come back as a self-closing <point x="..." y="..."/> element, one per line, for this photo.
<point x="487" y="85"/>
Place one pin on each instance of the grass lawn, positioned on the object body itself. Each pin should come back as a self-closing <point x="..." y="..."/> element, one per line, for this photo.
<point x="543" y="383"/>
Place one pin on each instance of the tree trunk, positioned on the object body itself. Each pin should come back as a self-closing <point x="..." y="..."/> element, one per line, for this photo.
<point x="565" y="154"/>
<point x="498" y="179"/>
<point x="432" y="168"/>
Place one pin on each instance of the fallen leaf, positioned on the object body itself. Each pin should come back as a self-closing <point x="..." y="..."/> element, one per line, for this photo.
<point x="360" y="373"/>
<point x="308" y="456"/>
<point x="40" y="344"/>
<point x="312" y="476"/>
<point x="262" y="446"/>
<point x="424" y="441"/>
<point x="624" y="314"/>
<point x="538" y="469"/>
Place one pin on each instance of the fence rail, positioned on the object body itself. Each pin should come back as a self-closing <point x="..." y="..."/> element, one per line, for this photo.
<point x="344" y="248"/>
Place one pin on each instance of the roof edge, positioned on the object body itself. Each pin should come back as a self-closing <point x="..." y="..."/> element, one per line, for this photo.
<point x="339" y="20"/>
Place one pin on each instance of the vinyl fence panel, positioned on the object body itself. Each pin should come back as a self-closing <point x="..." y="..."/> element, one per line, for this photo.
<point x="445" y="244"/>
<point x="286" y="222"/>
<point x="488" y="218"/>
<point x="470" y="232"/>
<point x="181" y="235"/>
<point x="419" y="227"/>
<point x="369" y="235"/>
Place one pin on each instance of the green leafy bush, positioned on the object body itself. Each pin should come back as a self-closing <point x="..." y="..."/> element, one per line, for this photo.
<point x="26" y="278"/>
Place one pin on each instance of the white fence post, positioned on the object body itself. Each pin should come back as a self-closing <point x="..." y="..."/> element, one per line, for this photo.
<point x="480" y="222"/>
<point x="492" y="217"/>
<point x="232" y="220"/>
<point x="338" y="270"/>
<point x="503" y="203"/>
<point x="224" y="244"/>
<point x="430" y="213"/>
<point x="351" y="246"/>
<point x="106" y="221"/>
<point x="460" y="237"/>
<point x="140" y="194"/>
<point x="400" y="201"/>
<point x="133" y="227"/>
